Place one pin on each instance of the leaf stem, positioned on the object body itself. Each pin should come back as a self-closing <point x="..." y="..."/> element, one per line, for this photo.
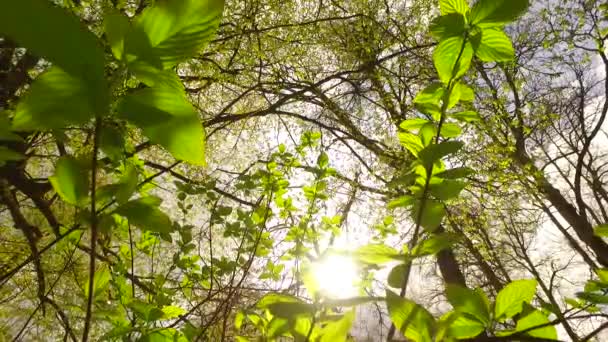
<point x="87" y="320"/>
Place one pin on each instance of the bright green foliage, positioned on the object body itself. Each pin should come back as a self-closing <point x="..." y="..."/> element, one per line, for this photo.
<point x="376" y="254"/>
<point x="56" y="99"/>
<point x="462" y="326"/>
<point x="469" y="302"/>
<point x="116" y="26"/>
<point x="435" y="244"/>
<point x="491" y="13"/>
<point x="71" y="181"/>
<point x="414" y="321"/>
<point x="452" y="58"/>
<point x="533" y="319"/>
<point x="494" y="46"/>
<point x="168" y="119"/>
<point x="169" y="33"/>
<point x="453" y="6"/>
<point x="510" y="300"/>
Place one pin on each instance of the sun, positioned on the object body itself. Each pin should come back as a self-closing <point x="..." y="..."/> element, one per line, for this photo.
<point x="336" y="276"/>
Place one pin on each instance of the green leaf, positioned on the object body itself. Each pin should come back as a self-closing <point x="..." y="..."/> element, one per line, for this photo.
<point x="602" y="230"/>
<point x="413" y="124"/>
<point x="55" y="100"/>
<point x="431" y="94"/>
<point x="432" y="153"/>
<point x="470" y="302"/>
<point x="127" y="185"/>
<point x="455" y="173"/>
<point x="116" y="26"/>
<point x="427" y="133"/>
<point x="337" y="331"/>
<point x="396" y="277"/>
<point x="593" y="297"/>
<point x="462" y="326"/>
<point x="411" y="319"/>
<point x="71" y="181"/>
<point x="100" y="281"/>
<point x="172" y="312"/>
<point x="432" y="214"/>
<point x="602" y="273"/>
<point x="510" y="300"/>
<point x="494" y="46"/>
<point x="285" y="306"/>
<point x="376" y="254"/>
<point x="435" y="244"/>
<point x="452" y="58"/>
<point x="466" y="93"/>
<point x="447" y="189"/>
<point x="173" y="31"/>
<point x="153" y="77"/>
<point x="51" y="32"/>
<point x="6" y="154"/>
<point x="489" y="13"/>
<point x="466" y="116"/>
<point x="411" y="142"/>
<point x="144" y="213"/>
<point x="453" y="6"/>
<point x="450" y="130"/>
<point x="446" y="26"/>
<point x="167" y="118"/>
<point x="533" y="319"/>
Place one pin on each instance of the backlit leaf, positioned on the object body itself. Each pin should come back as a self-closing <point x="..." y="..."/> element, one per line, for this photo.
<point x="414" y="321"/>
<point x="488" y="13"/>
<point x="533" y="319"/>
<point x="167" y="118"/>
<point x="510" y="300"/>
<point x="144" y="213"/>
<point x="71" y="181"/>
<point x="173" y="31"/>
<point x="494" y="46"/>
<point x="452" y="58"/>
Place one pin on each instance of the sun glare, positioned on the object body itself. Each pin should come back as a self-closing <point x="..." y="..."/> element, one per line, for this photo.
<point x="336" y="276"/>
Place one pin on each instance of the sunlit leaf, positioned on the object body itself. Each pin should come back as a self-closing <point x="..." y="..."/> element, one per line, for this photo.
<point x="510" y="300"/>
<point x="488" y="13"/>
<point x="469" y="302"/>
<point x="533" y="319"/>
<point x="452" y="58"/>
<point x="285" y="306"/>
<point x="453" y="6"/>
<point x="71" y="181"/>
<point x="167" y="118"/>
<point x="414" y="321"/>
<point x="455" y="173"/>
<point x="466" y="116"/>
<point x="447" y="26"/>
<point x="337" y="331"/>
<point x="431" y="94"/>
<point x="494" y="46"/>
<point x="173" y="31"/>
<point x="55" y="100"/>
<point x="447" y="189"/>
<point x="435" y="244"/>
<point x="413" y="124"/>
<point x="116" y="26"/>
<point x="432" y="153"/>
<point x="463" y="326"/>
<point x="376" y="254"/>
<point x="411" y="142"/>
<point x="432" y="214"/>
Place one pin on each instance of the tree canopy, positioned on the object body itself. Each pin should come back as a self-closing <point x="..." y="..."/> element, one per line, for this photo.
<point x="344" y="170"/>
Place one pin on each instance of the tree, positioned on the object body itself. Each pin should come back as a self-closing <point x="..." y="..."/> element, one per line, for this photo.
<point x="454" y="152"/>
